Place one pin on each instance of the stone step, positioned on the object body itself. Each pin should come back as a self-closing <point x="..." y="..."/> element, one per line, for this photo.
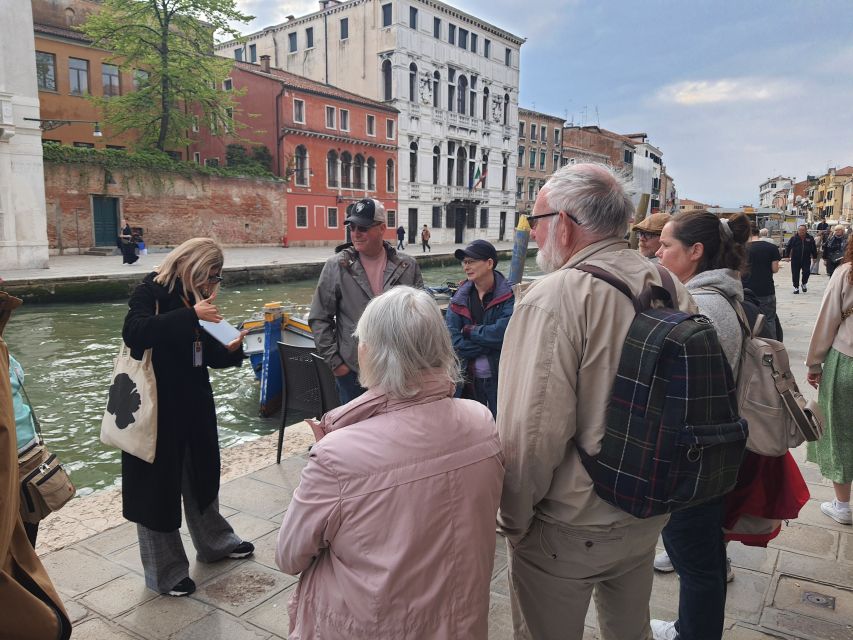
<point x="101" y="251"/>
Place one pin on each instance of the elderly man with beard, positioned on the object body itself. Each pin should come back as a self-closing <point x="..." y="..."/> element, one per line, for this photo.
<point x="560" y="356"/>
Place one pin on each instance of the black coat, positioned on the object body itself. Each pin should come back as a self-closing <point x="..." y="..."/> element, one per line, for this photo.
<point x="186" y="416"/>
<point x="801" y="249"/>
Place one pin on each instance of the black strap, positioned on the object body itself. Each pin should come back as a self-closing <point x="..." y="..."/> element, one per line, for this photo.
<point x="613" y="281"/>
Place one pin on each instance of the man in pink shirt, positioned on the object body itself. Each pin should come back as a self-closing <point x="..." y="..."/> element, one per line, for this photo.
<point x="359" y="271"/>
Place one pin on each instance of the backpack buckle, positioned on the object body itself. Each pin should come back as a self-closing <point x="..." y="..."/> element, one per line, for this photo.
<point x="694" y="453"/>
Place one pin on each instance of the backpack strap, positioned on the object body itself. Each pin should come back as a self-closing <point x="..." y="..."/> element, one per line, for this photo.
<point x="614" y="281"/>
<point x="650" y="293"/>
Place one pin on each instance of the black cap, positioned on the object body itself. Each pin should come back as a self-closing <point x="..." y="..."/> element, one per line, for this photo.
<point x="478" y="250"/>
<point x="366" y="213"/>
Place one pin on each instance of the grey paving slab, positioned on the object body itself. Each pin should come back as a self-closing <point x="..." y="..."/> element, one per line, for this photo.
<point x="221" y="625"/>
<point x="845" y="548"/>
<point x="738" y="632"/>
<point x="500" y="617"/>
<point x="265" y="547"/>
<point x="272" y="614"/>
<point x="75" y="571"/>
<point x="250" y="527"/>
<point x="164" y="616"/>
<point x="758" y="559"/>
<point x="746" y="595"/>
<point x="500" y="583"/>
<point x="76" y="611"/>
<point x="100" y="629"/>
<point x="812" y="599"/>
<point x="664" y="601"/>
<point x="243" y="588"/>
<point x="112" y="540"/>
<point x="811" y="514"/>
<point x="802" y="627"/>
<point x="820" y="492"/>
<point x="254" y="497"/>
<point x="818" y="569"/>
<point x="285" y="475"/>
<point x="808" y="540"/>
<point x="118" y="596"/>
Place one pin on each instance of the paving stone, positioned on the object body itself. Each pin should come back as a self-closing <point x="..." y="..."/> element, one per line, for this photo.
<point x="500" y="565"/>
<point x="265" y="547"/>
<point x="737" y="632"/>
<point x="664" y="601"/>
<point x="811" y="514"/>
<point x="98" y="629"/>
<point x="804" y="627"/>
<point x="746" y="595"/>
<point x="250" y="527"/>
<point x="845" y="550"/>
<point x="818" y="569"/>
<point x="790" y="596"/>
<point x="272" y="615"/>
<point x="285" y="475"/>
<point x="76" y="611"/>
<point x="221" y="625"/>
<point x="243" y="588"/>
<point x="130" y="558"/>
<point x="75" y="571"/>
<point x="500" y="618"/>
<point x="752" y="558"/>
<point x="118" y="596"/>
<point x="808" y="540"/>
<point x="821" y="492"/>
<point x="500" y="583"/>
<point x="163" y="616"/>
<point x="112" y="540"/>
<point x="812" y="475"/>
<point x="254" y="497"/>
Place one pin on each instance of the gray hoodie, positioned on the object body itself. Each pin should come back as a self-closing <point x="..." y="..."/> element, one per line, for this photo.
<point x="713" y="290"/>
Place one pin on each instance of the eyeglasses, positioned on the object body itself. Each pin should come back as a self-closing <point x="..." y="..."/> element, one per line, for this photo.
<point x="647" y="235"/>
<point x="361" y="228"/>
<point x="214" y="279"/>
<point x="467" y="262"/>
<point x="533" y="220"/>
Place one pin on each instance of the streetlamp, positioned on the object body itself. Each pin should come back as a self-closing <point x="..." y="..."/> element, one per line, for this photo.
<point x="50" y="124"/>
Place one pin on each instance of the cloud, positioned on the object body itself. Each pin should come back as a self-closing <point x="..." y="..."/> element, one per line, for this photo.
<point x="697" y="92"/>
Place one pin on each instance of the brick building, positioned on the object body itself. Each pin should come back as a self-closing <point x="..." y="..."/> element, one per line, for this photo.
<point x="592" y="143"/>
<point x="540" y="153"/>
<point x="333" y="147"/>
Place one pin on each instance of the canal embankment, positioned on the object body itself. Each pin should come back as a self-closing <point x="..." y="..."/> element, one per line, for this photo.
<point x="74" y="278"/>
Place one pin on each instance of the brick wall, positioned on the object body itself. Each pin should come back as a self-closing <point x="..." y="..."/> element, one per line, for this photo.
<point x="170" y="208"/>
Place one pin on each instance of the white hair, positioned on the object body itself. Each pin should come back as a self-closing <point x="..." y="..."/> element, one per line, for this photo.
<point x="764" y="233"/>
<point x="594" y="194"/>
<point x="403" y="335"/>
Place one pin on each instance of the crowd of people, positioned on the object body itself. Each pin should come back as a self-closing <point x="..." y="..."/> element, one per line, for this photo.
<point x="449" y="427"/>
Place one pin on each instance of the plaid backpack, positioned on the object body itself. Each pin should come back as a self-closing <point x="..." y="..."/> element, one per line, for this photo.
<point x="673" y="437"/>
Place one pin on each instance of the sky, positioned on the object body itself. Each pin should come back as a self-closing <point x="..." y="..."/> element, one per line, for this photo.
<point x="731" y="91"/>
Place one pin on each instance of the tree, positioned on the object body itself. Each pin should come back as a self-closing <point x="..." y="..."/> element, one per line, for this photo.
<point x="169" y="45"/>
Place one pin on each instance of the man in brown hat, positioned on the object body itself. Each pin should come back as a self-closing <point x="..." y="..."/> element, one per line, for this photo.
<point x="648" y="234"/>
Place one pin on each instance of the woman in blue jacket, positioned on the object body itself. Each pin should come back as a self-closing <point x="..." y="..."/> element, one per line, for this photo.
<point x="477" y="319"/>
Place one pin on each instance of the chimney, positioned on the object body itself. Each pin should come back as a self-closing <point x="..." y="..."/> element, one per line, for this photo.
<point x="265" y="64"/>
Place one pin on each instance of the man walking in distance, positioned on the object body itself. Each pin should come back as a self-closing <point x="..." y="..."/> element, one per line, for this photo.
<point x="801" y="250"/>
<point x="763" y="258"/>
<point x="561" y="352"/>
<point x="648" y="234"/>
<point x="425" y="236"/>
<point x="401" y="237"/>
<point x="359" y="271"/>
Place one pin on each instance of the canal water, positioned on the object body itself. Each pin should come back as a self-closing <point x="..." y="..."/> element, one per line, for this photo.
<point x="67" y="352"/>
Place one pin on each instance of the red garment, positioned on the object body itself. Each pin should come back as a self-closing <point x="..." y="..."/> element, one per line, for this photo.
<point x="768" y="491"/>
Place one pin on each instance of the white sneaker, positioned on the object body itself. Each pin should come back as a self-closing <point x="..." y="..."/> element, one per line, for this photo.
<point x="796" y="289"/>
<point x="663" y="563"/>
<point x="841" y="516"/>
<point x="662" y="630"/>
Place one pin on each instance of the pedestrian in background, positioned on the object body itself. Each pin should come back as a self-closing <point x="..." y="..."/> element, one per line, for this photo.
<point x="477" y="318"/>
<point x="830" y="363"/>
<point x="560" y="356"/>
<point x="425" y="236"/>
<point x="401" y="237"/>
<point x="762" y="262"/>
<point x="126" y="244"/>
<point x="801" y="250"/>
<point x="392" y="526"/>
<point x="834" y="249"/>
<point x="164" y="316"/>
<point x="358" y="272"/>
<point x="648" y="234"/>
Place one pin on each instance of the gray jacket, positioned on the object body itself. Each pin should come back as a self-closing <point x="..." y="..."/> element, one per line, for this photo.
<point x="712" y="290"/>
<point x="342" y="294"/>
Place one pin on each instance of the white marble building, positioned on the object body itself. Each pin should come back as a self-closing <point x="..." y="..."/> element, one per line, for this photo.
<point x="23" y="225"/>
<point x="772" y="188"/>
<point x="453" y="77"/>
<point x="646" y="176"/>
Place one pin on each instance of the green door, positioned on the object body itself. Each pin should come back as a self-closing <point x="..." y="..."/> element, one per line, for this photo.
<point x="105" y="214"/>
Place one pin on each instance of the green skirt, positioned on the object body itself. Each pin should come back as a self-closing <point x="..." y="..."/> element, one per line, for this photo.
<point x="834" y="451"/>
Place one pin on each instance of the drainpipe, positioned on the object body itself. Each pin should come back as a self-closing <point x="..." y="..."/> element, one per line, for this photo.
<point x="326" y="43"/>
<point x="278" y="134"/>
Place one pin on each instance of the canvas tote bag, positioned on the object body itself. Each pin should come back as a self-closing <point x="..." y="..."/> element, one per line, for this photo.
<point x="130" y="419"/>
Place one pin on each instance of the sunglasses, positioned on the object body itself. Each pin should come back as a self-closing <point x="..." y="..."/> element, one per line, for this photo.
<point x="214" y="279"/>
<point x="361" y="228"/>
<point x="646" y="235"/>
<point x="533" y="220"/>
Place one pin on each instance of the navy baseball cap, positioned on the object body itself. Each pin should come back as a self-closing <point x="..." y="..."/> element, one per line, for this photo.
<point x="478" y="250"/>
<point x="366" y="213"/>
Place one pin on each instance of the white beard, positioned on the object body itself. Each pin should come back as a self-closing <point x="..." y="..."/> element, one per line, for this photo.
<point x="546" y="259"/>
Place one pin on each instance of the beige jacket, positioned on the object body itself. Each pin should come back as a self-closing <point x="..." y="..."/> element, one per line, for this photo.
<point x="830" y="330"/>
<point x="559" y="359"/>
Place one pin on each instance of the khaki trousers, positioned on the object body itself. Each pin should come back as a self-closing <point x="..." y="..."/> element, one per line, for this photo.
<point x="556" y="569"/>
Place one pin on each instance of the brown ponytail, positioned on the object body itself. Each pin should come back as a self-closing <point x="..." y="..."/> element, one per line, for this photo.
<point x="723" y="245"/>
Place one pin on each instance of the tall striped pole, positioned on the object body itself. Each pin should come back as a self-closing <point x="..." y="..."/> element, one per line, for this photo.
<point x="519" y="250"/>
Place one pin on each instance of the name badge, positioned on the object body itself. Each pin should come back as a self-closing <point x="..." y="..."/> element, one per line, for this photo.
<point x="197" y="354"/>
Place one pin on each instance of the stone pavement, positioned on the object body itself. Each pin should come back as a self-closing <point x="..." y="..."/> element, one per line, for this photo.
<point x="801" y="587"/>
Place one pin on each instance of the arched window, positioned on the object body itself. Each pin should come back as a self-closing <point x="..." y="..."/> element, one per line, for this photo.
<point x="332" y="168"/>
<point x="461" y="94"/>
<point x="386" y="80"/>
<point x="485" y="103"/>
<point x="346" y="170"/>
<point x="413" y="162"/>
<point x="506" y="108"/>
<point x="389" y="176"/>
<point x="358" y="172"/>
<point x="461" y="166"/>
<point x="300" y="168"/>
<point x="436" y="83"/>
<point x="413" y="82"/>
<point x="371" y="174"/>
<point x="436" y="164"/>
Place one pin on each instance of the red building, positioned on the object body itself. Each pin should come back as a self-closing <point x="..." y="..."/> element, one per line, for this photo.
<point x="333" y="147"/>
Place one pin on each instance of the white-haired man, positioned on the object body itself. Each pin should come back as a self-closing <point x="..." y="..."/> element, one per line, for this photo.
<point x="560" y="356"/>
<point x="359" y="271"/>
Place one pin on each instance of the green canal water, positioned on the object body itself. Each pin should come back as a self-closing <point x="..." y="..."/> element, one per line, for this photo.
<point x="67" y="352"/>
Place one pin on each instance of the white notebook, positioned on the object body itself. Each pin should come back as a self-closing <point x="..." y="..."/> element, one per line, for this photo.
<point x="222" y="331"/>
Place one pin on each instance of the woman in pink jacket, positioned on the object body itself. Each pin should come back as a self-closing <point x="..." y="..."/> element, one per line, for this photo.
<point x="393" y="523"/>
